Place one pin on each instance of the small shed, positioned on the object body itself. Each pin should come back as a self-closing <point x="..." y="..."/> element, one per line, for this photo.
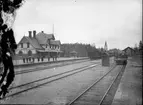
<point x="105" y="59"/>
<point x="73" y="53"/>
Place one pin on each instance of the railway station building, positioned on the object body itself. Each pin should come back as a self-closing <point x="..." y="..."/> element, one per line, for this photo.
<point x="38" y="46"/>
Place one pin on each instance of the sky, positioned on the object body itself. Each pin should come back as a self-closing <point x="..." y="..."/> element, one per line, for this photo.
<point x="119" y="22"/>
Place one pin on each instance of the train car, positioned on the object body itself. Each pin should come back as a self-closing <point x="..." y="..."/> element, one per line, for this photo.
<point x="121" y="59"/>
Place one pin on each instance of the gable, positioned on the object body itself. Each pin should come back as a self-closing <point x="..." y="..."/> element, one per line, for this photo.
<point x="32" y="41"/>
<point x="23" y="40"/>
<point x="128" y="49"/>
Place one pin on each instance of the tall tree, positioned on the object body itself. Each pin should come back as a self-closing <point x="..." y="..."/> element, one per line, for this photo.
<point x="8" y="11"/>
<point x="140" y="46"/>
<point x="7" y="16"/>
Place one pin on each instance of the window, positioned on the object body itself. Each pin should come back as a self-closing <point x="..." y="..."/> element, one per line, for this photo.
<point x="21" y="45"/>
<point x="29" y="53"/>
<point x="28" y="45"/>
<point x="20" y="53"/>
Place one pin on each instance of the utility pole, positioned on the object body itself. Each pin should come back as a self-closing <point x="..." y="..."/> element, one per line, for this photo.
<point x="53" y="29"/>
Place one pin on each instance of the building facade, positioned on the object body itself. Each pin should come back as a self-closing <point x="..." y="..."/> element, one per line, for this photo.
<point x="38" y="46"/>
<point x="128" y="51"/>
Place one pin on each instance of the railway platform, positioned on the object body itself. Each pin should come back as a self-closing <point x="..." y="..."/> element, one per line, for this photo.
<point x="20" y="62"/>
<point x="129" y="91"/>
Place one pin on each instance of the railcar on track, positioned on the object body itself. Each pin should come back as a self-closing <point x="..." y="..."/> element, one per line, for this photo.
<point x="121" y="59"/>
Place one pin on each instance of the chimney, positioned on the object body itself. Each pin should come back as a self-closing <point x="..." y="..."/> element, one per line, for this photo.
<point x="34" y="34"/>
<point x="30" y="34"/>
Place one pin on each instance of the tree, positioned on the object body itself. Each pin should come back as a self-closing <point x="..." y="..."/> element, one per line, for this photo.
<point x="140" y="46"/>
<point x="7" y="14"/>
<point x="8" y="11"/>
<point x="136" y="48"/>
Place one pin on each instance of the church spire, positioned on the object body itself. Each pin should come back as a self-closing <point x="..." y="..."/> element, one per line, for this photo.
<point x="105" y="46"/>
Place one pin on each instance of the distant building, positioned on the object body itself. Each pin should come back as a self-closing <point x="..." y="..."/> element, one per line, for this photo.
<point x="38" y="46"/>
<point x="114" y="52"/>
<point x="128" y="51"/>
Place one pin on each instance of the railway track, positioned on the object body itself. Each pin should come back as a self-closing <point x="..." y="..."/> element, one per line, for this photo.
<point x="45" y="68"/>
<point x="87" y="97"/>
<point x="40" y="82"/>
<point x="111" y="88"/>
